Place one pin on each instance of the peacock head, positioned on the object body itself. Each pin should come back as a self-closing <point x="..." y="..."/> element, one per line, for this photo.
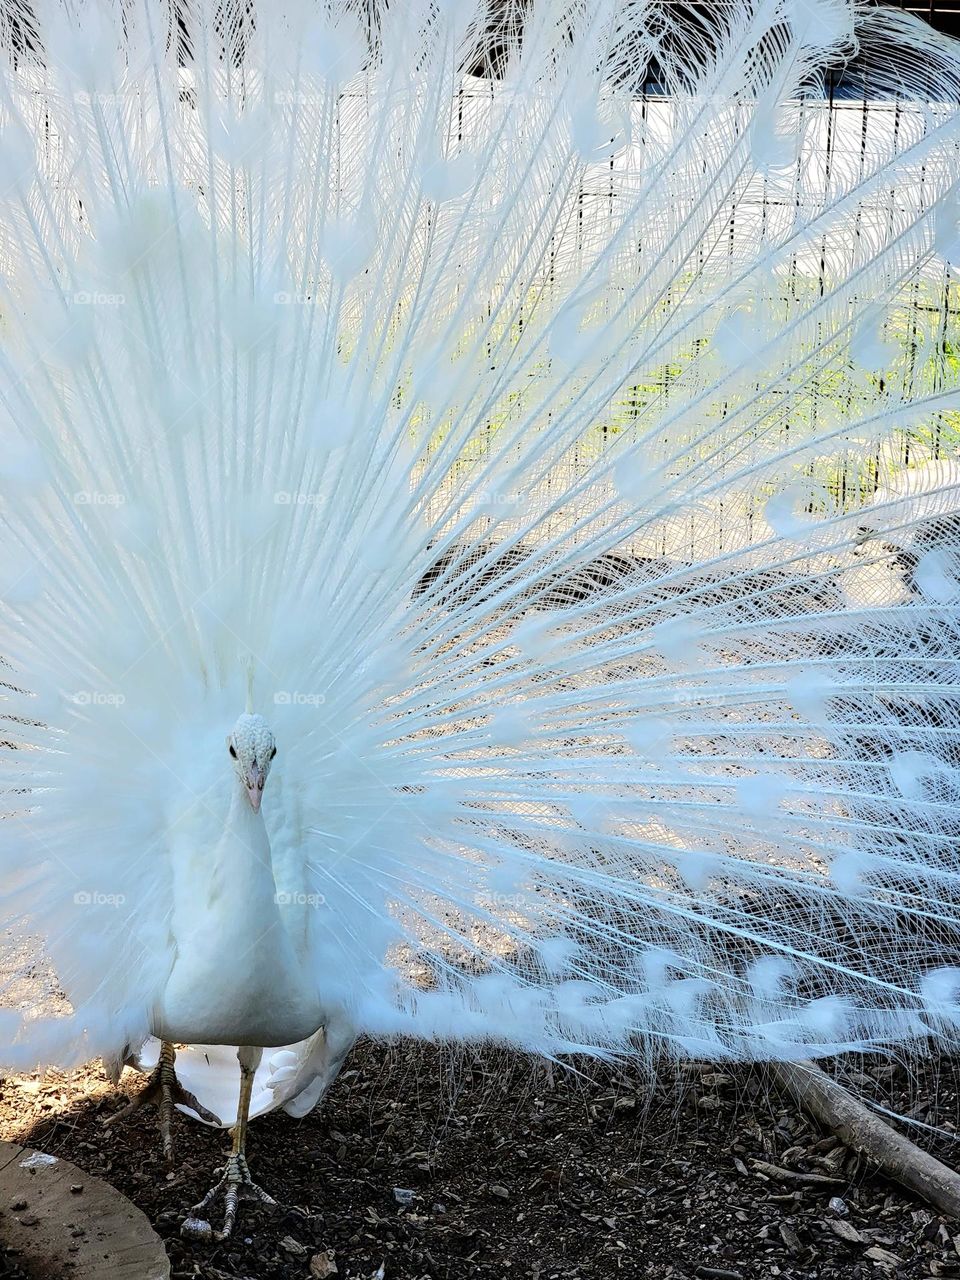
<point x="252" y="747"/>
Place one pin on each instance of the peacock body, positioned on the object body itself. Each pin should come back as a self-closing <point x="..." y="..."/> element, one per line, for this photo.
<point x="502" y="408"/>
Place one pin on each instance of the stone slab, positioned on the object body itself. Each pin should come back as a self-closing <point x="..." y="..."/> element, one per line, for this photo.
<point x="91" y="1234"/>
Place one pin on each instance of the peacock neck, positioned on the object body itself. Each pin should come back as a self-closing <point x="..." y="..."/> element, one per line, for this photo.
<point x="242" y="878"/>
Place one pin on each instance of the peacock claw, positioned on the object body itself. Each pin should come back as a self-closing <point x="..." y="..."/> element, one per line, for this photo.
<point x="235" y="1177"/>
<point x="165" y="1089"/>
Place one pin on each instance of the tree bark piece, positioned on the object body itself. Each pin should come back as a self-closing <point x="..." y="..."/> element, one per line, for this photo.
<point x="863" y="1130"/>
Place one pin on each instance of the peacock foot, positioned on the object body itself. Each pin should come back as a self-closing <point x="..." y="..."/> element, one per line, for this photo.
<point x="235" y="1182"/>
<point x="165" y="1089"/>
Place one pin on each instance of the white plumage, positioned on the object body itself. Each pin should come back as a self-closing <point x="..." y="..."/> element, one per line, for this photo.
<point x="490" y="398"/>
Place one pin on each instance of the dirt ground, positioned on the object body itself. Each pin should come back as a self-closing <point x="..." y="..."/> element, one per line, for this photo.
<point x="424" y="1164"/>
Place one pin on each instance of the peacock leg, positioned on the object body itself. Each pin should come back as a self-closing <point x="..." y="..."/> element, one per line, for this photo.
<point x="234" y="1179"/>
<point x="165" y="1089"/>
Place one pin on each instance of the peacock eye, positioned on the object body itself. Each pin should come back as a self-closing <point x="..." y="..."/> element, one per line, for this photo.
<point x="233" y="751"/>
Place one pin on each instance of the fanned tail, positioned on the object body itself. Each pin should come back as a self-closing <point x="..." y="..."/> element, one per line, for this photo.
<point x="507" y="387"/>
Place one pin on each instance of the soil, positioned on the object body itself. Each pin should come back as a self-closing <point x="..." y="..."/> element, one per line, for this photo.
<point x="422" y="1164"/>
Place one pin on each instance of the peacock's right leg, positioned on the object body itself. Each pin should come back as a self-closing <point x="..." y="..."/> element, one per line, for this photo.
<point x="234" y="1180"/>
<point x="165" y="1089"/>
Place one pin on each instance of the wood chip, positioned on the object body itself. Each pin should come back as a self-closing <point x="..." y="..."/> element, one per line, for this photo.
<point x="793" y="1175"/>
<point x="323" y="1265"/>
<point x="790" y="1239"/>
<point x="883" y="1258"/>
<point x="845" y="1230"/>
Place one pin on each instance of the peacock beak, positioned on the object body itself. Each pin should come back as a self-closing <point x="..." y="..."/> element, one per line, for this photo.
<point x="254" y="784"/>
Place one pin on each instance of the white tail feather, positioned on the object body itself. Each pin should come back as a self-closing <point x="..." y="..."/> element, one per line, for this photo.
<point x="494" y="396"/>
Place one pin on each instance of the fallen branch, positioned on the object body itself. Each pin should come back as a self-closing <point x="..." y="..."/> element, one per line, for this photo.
<point x="862" y="1129"/>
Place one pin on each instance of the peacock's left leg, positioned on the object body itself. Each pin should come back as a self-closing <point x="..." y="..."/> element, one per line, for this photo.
<point x="234" y="1180"/>
<point x="166" y="1091"/>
